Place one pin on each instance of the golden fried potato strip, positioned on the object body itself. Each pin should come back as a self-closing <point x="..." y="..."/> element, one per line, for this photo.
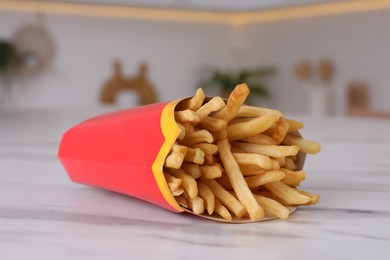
<point x="259" y="180"/>
<point x="238" y="182"/>
<point x="213" y="105"/>
<point x="251" y="127"/>
<point x="189" y="183"/>
<point x="262" y="161"/>
<point x="272" y="207"/>
<point x="234" y="103"/>
<point x="193" y="103"/>
<point x="222" y="211"/>
<point x="227" y="199"/>
<point x="259" y="139"/>
<point x="286" y="193"/>
<point x="269" y="150"/>
<point x="208" y="196"/>
<point x="305" y="146"/>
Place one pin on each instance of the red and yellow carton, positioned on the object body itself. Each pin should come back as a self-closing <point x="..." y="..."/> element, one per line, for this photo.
<point x="124" y="152"/>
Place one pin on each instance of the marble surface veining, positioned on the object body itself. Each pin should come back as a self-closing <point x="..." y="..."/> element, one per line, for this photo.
<point x="45" y="216"/>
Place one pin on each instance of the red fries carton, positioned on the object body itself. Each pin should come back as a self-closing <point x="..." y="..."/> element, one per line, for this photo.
<point x="124" y="152"/>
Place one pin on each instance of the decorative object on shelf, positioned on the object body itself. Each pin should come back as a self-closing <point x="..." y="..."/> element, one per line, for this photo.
<point x="303" y="70"/>
<point x="34" y="46"/>
<point x="316" y="83"/>
<point x="357" y="96"/>
<point x="224" y="80"/>
<point x="358" y="102"/>
<point x="326" y="71"/>
<point x="120" y="88"/>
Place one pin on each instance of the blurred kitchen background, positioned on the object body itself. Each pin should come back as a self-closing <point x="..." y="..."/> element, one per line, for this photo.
<point x="301" y="56"/>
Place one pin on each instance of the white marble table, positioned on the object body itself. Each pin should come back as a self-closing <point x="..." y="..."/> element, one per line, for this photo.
<point x="45" y="216"/>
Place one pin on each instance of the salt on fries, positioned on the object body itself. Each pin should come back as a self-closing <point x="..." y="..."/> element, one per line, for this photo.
<point x="236" y="160"/>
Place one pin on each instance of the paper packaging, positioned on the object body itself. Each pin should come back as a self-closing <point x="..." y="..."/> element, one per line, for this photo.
<point x="125" y="151"/>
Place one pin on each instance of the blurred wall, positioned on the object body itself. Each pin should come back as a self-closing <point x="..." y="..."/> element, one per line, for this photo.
<point x="358" y="44"/>
<point x="86" y="47"/>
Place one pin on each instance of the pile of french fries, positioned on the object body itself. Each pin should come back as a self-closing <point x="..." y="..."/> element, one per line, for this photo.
<point x="236" y="161"/>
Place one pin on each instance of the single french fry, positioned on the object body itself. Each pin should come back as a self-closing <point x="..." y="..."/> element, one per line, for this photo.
<point x="238" y="182"/>
<point x="198" y="136"/>
<point x="275" y="164"/>
<point x="189" y="183"/>
<point x="182" y="133"/>
<point x="220" y="135"/>
<point x="196" y="204"/>
<point x="235" y="101"/>
<point x="305" y="146"/>
<point x="193" y="103"/>
<point x="270" y="195"/>
<point x="269" y="150"/>
<point x="314" y="197"/>
<point x="253" y="159"/>
<point x="173" y="182"/>
<point x="226" y="198"/>
<point x="281" y="130"/>
<point x="270" y="131"/>
<point x="259" y="139"/>
<point x="215" y="104"/>
<point x="176" y="148"/>
<point x="194" y="155"/>
<point x="206" y="148"/>
<point x="237" y="120"/>
<point x="259" y="180"/>
<point x="280" y="160"/>
<point x="272" y="207"/>
<point x="289" y="164"/>
<point x="213" y="124"/>
<point x="293" y="178"/>
<point x="192" y="169"/>
<point x="222" y="211"/>
<point x="178" y="192"/>
<point x="197" y="100"/>
<point x="293" y="125"/>
<point x="209" y="159"/>
<point x="211" y="171"/>
<point x="187" y="116"/>
<point x="189" y="128"/>
<point x="174" y="160"/>
<point x="251" y="127"/>
<point x="207" y="195"/>
<point x="249" y="170"/>
<point x="182" y="201"/>
<point x="250" y="111"/>
<point x="286" y="193"/>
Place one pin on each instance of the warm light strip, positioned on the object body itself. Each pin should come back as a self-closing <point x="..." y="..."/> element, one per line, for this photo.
<point x="163" y="14"/>
<point x="115" y="11"/>
<point x="332" y="8"/>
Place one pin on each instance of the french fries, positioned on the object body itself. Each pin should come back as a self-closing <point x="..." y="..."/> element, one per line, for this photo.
<point x="236" y="160"/>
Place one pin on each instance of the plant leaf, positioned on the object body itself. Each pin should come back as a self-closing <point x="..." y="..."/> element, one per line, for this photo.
<point x="259" y="90"/>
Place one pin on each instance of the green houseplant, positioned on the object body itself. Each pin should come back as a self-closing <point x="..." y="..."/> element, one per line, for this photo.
<point x="8" y="61"/>
<point x="227" y="80"/>
<point x="7" y="57"/>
